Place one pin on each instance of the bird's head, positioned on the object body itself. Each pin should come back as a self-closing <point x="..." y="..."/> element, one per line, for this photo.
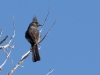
<point x="35" y="22"/>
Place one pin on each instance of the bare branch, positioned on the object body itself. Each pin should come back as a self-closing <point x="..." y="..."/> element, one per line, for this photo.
<point x="25" y="55"/>
<point x="48" y="31"/>
<point x="3" y="39"/>
<point x="8" y="56"/>
<point x="50" y="71"/>
<point x="8" y="46"/>
<point x="45" y="20"/>
<point x="20" y="62"/>
<point x="1" y="32"/>
<point x="13" y="32"/>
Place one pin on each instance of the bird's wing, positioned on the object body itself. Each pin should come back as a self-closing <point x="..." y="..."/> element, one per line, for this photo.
<point x="34" y="36"/>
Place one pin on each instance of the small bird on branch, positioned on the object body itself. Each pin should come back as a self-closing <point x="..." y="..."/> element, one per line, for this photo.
<point x="33" y="36"/>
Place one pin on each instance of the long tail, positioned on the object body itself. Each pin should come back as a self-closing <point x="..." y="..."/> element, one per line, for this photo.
<point x="35" y="53"/>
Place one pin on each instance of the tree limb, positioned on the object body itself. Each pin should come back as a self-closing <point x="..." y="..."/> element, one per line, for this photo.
<point x="50" y="71"/>
<point x="48" y="31"/>
<point x="8" y="46"/>
<point x="1" y="32"/>
<point x="3" y="39"/>
<point x="45" y="20"/>
<point x="20" y="62"/>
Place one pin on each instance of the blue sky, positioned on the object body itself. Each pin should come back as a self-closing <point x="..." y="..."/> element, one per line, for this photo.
<point x="71" y="48"/>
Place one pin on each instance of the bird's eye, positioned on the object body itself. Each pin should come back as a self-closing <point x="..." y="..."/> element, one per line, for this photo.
<point x="36" y="22"/>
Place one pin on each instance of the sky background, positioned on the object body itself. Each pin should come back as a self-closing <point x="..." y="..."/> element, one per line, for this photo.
<point x="71" y="48"/>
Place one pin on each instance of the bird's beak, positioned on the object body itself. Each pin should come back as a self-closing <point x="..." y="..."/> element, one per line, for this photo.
<point x="39" y="25"/>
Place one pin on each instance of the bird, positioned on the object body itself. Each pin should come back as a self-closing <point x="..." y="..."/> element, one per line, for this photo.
<point x="33" y="36"/>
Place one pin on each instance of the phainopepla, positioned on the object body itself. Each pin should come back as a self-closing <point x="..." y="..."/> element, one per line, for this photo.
<point x="33" y="36"/>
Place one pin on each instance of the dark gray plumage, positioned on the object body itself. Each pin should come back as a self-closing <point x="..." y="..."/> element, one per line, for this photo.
<point x="33" y="36"/>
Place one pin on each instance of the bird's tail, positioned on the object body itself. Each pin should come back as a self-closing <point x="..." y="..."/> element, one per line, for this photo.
<point x="35" y="53"/>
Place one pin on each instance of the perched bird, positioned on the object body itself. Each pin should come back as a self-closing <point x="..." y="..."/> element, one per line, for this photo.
<point x="33" y="36"/>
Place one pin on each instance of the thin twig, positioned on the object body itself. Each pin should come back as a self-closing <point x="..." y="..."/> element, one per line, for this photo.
<point x="20" y="62"/>
<point x="13" y="32"/>
<point x="48" y="31"/>
<point x="1" y="32"/>
<point x="50" y="71"/>
<point x="8" y="56"/>
<point x="3" y="39"/>
<point x="8" y="46"/>
<point x="45" y="20"/>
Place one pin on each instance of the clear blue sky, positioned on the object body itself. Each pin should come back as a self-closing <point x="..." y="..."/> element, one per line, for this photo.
<point x="71" y="48"/>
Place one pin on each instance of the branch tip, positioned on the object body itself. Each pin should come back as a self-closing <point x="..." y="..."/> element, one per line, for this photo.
<point x="48" y="31"/>
<point x="45" y="20"/>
